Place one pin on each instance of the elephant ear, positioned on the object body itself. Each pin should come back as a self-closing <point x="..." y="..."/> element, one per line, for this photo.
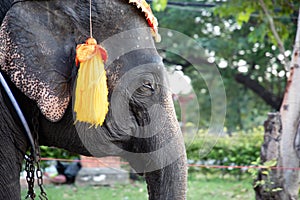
<point x="38" y="60"/>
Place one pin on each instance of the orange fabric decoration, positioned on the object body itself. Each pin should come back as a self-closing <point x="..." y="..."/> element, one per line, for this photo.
<point x="151" y="19"/>
<point x="91" y="103"/>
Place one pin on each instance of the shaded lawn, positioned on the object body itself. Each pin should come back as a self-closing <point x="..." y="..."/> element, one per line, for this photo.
<point x="198" y="189"/>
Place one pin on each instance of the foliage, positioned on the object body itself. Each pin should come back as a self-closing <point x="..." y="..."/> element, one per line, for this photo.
<point x="236" y="35"/>
<point x="159" y="5"/>
<point x="52" y="152"/>
<point x="237" y="149"/>
<point x="265" y="169"/>
<point x="282" y="11"/>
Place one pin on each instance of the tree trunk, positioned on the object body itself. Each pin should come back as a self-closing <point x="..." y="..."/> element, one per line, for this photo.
<point x="290" y="114"/>
<point x="286" y="150"/>
<point x="270" y="188"/>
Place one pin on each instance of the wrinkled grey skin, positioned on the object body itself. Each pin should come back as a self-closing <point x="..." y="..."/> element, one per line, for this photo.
<point x="130" y="130"/>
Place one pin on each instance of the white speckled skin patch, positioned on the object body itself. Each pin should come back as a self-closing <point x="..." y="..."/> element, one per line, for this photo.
<point x="12" y="62"/>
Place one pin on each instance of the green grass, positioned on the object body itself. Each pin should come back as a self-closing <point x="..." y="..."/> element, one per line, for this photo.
<point x="199" y="188"/>
<point x="215" y="188"/>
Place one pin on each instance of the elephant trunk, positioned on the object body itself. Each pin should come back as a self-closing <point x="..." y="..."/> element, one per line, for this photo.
<point x="165" y="172"/>
<point x="162" y="157"/>
<point x="168" y="180"/>
<point x="168" y="183"/>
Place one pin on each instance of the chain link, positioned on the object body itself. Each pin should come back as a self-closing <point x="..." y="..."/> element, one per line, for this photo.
<point x="39" y="175"/>
<point x="33" y="159"/>
<point x="29" y="168"/>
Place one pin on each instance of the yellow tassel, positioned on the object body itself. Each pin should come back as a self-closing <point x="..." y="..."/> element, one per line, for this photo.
<point x="91" y="104"/>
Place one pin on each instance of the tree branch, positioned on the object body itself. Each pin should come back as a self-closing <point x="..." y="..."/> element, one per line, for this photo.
<point x="267" y="96"/>
<point x="275" y="33"/>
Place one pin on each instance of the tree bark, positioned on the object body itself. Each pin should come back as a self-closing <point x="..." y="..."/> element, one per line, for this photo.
<point x="270" y="151"/>
<point x="290" y="113"/>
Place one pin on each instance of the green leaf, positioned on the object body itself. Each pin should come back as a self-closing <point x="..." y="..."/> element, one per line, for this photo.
<point x="258" y="183"/>
<point x="259" y="33"/>
<point x="242" y="17"/>
<point x="159" y="5"/>
<point x="270" y="163"/>
<point x="276" y="189"/>
<point x="265" y="172"/>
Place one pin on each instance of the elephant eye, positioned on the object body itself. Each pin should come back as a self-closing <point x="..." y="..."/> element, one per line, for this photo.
<point x="147" y="88"/>
<point x="148" y="85"/>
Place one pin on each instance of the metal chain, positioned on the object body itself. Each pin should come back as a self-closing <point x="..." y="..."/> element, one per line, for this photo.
<point x="29" y="168"/>
<point x="31" y="161"/>
<point x="39" y="173"/>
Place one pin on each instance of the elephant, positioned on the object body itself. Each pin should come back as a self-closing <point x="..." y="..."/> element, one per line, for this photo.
<point x="37" y="59"/>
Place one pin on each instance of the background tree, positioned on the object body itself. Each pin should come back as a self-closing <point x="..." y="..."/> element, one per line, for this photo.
<point x="237" y="36"/>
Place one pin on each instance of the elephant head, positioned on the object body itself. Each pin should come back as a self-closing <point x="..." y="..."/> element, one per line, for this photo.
<point x="37" y="54"/>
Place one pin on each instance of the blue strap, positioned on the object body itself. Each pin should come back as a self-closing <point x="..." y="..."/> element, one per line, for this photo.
<point x="19" y="112"/>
